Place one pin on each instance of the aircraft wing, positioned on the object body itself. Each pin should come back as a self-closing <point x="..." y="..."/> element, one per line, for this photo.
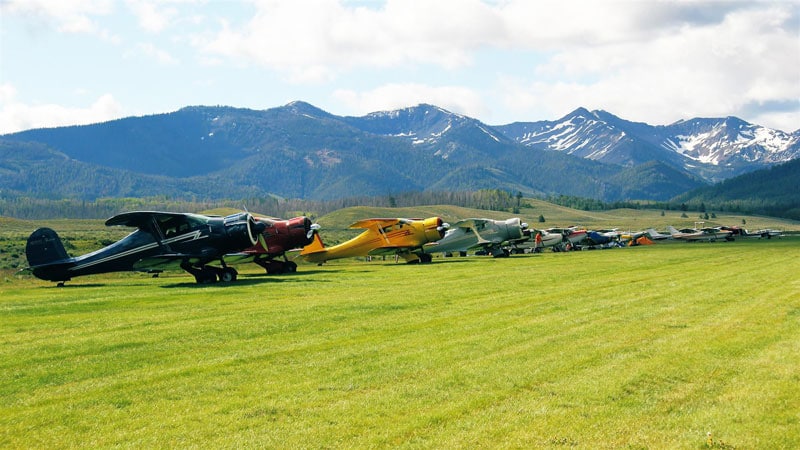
<point x="380" y="223"/>
<point x="474" y="225"/>
<point x="239" y="258"/>
<point x="170" y="261"/>
<point x="142" y="219"/>
<point x="390" y="250"/>
<point x="470" y="223"/>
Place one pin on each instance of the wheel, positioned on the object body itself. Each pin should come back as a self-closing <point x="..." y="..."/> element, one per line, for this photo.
<point x="206" y="276"/>
<point x="291" y="267"/>
<point x="228" y="275"/>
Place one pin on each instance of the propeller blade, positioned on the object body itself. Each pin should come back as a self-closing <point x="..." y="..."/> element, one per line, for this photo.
<point x="313" y="228"/>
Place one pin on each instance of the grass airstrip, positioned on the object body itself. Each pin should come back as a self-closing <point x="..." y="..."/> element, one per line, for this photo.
<point x="665" y="346"/>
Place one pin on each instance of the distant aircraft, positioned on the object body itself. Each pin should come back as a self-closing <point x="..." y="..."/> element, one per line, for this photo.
<point x="486" y="234"/>
<point x="601" y="237"/>
<point x="401" y="237"/>
<point x="572" y="235"/>
<point x="550" y="239"/>
<point x="279" y="236"/>
<point x="767" y="233"/>
<point x="655" y="235"/>
<point x="703" y="234"/>
<point x="763" y="233"/>
<point x="161" y="240"/>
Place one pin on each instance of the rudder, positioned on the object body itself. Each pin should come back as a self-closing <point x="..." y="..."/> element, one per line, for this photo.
<point x="44" y="247"/>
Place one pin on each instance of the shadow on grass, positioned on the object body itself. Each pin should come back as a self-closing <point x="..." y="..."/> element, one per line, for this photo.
<point x="254" y="279"/>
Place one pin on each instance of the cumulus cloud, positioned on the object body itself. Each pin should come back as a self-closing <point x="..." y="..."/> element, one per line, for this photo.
<point x="16" y="116"/>
<point x="650" y="61"/>
<point x="654" y="61"/>
<point x="392" y="96"/>
<point x="749" y="56"/>
<point x="68" y="16"/>
<point x="149" y="50"/>
<point x="152" y="16"/>
<point x="308" y="37"/>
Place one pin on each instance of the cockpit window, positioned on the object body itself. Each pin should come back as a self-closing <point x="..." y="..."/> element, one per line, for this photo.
<point x="176" y="225"/>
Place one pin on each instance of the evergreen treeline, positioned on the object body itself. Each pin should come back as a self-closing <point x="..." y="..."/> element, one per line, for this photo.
<point x="23" y="207"/>
<point x="785" y="204"/>
<point x="770" y="192"/>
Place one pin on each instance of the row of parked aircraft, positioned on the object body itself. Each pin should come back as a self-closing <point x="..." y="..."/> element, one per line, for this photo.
<point x="195" y="243"/>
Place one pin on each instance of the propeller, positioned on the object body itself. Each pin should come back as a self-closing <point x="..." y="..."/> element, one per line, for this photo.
<point x="313" y="228"/>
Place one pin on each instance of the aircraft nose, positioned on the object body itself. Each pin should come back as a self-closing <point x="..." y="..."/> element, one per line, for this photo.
<point x="314" y="227"/>
<point x="243" y="227"/>
<point x="259" y="227"/>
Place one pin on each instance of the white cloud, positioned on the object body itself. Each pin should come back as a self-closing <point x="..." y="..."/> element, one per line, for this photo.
<point x="16" y="116"/>
<point x="749" y="56"/>
<point x="456" y="99"/>
<point x="149" y="50"/>
<point x="68" y="16"/>
<point x="152" y="16"/>
<point x="323" y="37"/>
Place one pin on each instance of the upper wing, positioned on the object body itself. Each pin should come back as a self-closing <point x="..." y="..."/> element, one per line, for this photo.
<point x="476" y="226"/>
<point x="470" y="223"/>
<point x="379" y="223"/>
<point x="142" y="219"/>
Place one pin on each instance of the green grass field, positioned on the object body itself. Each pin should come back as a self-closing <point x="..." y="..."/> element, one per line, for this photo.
<point x="647" y="347"/>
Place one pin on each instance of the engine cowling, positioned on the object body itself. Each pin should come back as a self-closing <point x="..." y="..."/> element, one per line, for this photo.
<point x="434" y="228"/>
<point x="514" y="228"/>
<point x="243" y="229"/>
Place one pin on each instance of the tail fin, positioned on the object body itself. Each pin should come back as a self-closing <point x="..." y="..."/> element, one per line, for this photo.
<point x="315" y="246"/>
<point x="44" y="247"/>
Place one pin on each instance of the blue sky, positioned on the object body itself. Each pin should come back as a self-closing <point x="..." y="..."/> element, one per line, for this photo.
<point x="66" y="62"/>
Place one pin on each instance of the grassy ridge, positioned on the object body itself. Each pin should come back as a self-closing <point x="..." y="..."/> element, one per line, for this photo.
<point x="644" y="347"/>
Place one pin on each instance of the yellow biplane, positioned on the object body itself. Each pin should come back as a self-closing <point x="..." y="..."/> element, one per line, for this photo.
<point x="401" y="237"/>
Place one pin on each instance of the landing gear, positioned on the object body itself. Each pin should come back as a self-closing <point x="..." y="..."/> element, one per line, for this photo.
<point x="424" y="258"/>
<point x="209" y="274"/>
<point x="204" y="275"/>
<point x="273" y="267"/>
<point x="501" y="253"/>
<point x="228" y="275"/>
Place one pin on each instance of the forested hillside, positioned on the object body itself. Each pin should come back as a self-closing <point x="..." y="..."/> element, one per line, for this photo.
<point x="773" y="192"/>
<point x="299" y="151"/>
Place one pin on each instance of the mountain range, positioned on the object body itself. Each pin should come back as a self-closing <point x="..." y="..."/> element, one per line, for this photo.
<point x="301" y="151"/>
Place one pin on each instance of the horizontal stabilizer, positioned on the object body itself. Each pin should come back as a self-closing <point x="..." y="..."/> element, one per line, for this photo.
<point x="316" y="246"/>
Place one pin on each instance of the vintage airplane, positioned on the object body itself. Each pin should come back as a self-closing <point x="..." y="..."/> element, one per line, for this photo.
<point x="655" y="235"/>
<point x="401" y="237"/>
<point x="279" y="237"/>
<point x="766" y="233"/>
<point x="572" y="236"/>
<point x="600" y="238"/>
<point x="485" y="234"/>
<point x="702" y="234"/>
<point x="161" y="240"/>
<point x="548" y="239"/>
